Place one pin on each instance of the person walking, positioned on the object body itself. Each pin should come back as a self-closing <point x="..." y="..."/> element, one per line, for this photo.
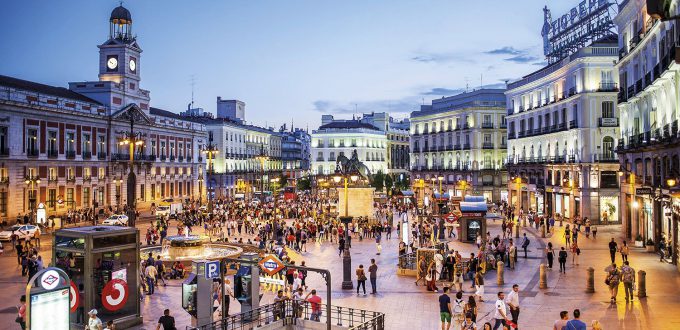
<point x="167" y="321"/>
<point x="341" y="246"/>
<point x="513" y="303"/>
<point x="445" y="309"/>
<point x="612" y="280"/>
<point x="613" y="248"/>
<point x="500" y="312"/>
<point x="479" y="284"/>
<point x="628" y="277"/>
<point x="422" y="270"/>
<point x="624" y="251"/>
<point x="378" y="237"/>
<point x="151" y="273"/>
<point x="458" y="309"/>
<point x="550" y="254"/>
<point x="512" y="255"/>
<point x="575" y="252"/>
<point x="373" y="276"/>
<point x="525" y="244"/>
<point x="471" y="308"/>
<point x="576" y="323"/>
<point x="562" y="322"/>
<point x="361" y="279"/>
<point x="21" y="316"/>
<point x="562" y="258"/>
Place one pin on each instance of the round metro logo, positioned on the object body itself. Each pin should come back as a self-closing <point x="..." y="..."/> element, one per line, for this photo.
<point x="115" y="295"/>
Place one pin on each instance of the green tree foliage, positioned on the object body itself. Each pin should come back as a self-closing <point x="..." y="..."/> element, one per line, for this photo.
<point x="389" y="183"/>
<point x="304" y="184"/>
<point x="378" y="181"/>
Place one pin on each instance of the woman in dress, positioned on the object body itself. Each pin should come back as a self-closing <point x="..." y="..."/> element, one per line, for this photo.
<point x="550" y="254"/>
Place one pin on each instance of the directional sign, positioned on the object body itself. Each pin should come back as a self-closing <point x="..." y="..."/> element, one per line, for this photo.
<point x="212" y="269"/>
<point x="271" y="265"/>
<point x="115" y="295"/>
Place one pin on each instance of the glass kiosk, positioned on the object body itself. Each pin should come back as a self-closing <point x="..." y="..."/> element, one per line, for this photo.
<point x="103" y="263"/>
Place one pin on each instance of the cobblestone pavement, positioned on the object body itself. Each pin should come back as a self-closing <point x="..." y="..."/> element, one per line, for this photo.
<point x="409" y="307"/>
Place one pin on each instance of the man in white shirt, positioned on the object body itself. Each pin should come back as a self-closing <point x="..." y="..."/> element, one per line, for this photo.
<point x="513" y="303"/>
<point x="500" y="313"/>
<point x="150" y="272"/>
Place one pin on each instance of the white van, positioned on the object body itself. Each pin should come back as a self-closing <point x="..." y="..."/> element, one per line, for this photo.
<point x="169" y="208"/>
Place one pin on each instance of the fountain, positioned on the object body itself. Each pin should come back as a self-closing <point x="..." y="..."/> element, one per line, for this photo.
<point x="191" y="247"/>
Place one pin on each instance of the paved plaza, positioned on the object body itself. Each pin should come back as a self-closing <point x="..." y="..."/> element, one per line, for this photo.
<point x="407" y="306"/>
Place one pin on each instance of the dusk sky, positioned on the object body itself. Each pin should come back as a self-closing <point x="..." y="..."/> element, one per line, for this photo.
<point x="287" y="60"/>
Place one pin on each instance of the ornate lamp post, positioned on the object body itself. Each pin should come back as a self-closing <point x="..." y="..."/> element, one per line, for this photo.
<point x="346" y="220"/>
<point x="262" y="158"/>
<point x="131" y="139"/>
<point x="118" y="183"/>
<point x="31" y="181"/>
<point x="210" y="151"/>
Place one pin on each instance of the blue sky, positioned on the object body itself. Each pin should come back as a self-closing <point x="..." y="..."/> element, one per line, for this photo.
<point x="288" y="60"/>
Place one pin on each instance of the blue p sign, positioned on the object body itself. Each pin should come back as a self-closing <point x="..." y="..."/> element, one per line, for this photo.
<point x="212" y="269"/>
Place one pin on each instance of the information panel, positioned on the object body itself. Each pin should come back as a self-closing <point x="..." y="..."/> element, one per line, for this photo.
<point x="47" y="310"/>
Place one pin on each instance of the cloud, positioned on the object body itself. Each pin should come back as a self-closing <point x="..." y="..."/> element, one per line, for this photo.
<point x="522" y="58"/>
<point x="507" y="50"/>
<point x="404" y="105"/>
<point x="441" y="58"/>
<point x="443" y="91"/>
<point x="543" y="63"/>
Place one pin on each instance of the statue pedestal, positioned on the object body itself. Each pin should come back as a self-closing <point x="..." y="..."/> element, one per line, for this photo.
<point x="360" y="202"/>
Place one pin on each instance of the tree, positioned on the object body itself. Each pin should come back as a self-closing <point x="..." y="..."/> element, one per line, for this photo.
<point x="389" y="183"/>
<point x="378" y="181"/>
<point x="283" y="180"/>
<point x="304" y="184"/>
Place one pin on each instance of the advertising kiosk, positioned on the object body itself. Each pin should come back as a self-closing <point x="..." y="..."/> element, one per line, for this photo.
<point x="103" y="264"/>
<point x="473" y="218"/>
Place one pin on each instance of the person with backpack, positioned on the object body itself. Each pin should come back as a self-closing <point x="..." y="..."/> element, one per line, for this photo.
<point x="612" y="280"/>
<point x="458" y="309"/>
<point x="628" y="277"/>
<point x="575" y="252"/>
<point x="525" y="244"/>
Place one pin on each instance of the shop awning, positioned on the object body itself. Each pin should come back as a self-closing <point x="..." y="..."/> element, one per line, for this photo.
<point x="469" y="198"/>
<point x="407" y="193"/>
<point x="473" y="207"/>
<point x="441" y="196"/>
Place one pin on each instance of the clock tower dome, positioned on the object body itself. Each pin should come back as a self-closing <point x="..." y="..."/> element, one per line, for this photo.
<point x="119" y="67"/>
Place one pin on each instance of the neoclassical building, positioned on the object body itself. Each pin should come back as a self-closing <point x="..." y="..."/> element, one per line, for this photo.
<point x="65" y="148"/>
<point x="462" y="139"/>
<point x="649" y="147"/>
<point x="562" y="126"/>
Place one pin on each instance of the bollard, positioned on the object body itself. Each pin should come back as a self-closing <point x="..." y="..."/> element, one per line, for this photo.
<point x="642" y="284"/>
<point x="524" y="221"/>
<point x="543" y="281"/>
<point x="542" y="231"/>
<point x="590" y="280"/>
<point x="499" y="272"/>
<point x="517" y="230"/>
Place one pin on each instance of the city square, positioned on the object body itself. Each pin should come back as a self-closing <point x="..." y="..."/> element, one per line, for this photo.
<point x="352" y="192"/>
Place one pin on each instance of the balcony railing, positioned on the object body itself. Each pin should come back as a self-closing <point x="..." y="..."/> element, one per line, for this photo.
<point x="487" y="125"/>
<point x="87" y="154"/>
<point x="487" y="145"/>
<point x="4" y="152"/>
<point x="466" y="146"/>
<point x="52" y="153"/>
<point x="608" y="87"/>
<point x="32" y="152"/>
<point x="70" y="154"/>
<point x="573" y="124"/>
<point x="606" y="158"/>
<point x="101" y="155"/>
<point x="608" y="122"/>
<point x="511" y="135"/>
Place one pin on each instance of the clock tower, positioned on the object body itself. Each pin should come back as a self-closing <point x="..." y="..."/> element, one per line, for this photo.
<point x="119" y="67"/>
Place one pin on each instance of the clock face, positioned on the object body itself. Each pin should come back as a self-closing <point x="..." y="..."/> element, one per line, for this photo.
<point x="133" y="65"/>
<point x="112" y="63"/>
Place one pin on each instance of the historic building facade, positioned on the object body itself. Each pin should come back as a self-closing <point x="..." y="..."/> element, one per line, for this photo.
<point x="336" y="138"/>
<point x="462" y="139"/>
<point x="66" y="148"/>
<point x="649" y="146"/>
<point x="562" y="125"/>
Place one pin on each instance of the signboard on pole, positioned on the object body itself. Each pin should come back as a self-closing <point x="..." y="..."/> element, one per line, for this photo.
<point x="212" y="269"/>
<point x="48" y="300"/>
<point x="643" y="191"/>
<point x="271" y="264"/>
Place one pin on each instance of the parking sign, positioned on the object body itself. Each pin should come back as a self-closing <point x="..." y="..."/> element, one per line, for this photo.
<point x="212" y="269"/>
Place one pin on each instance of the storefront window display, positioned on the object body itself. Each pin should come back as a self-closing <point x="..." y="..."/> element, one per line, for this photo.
<point x="609" y="212"/>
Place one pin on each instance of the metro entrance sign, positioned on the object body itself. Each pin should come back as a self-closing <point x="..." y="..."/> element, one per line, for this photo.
<point x="271" y="265"/>
<point x="49" y="300"/>
<point x="451" y="218"/>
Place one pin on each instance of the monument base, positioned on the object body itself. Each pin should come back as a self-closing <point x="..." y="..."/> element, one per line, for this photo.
<point x="360" y="202"/>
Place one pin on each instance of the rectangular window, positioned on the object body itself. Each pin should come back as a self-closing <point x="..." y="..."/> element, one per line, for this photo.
<point x="86" y="196"/>
<point x="52" y="174"/>
<point x="70" y="202"/>
<point x="52" y="143"/>
<point x="487" y="138"/>
<point x="4" y="141"/>
<point x="608" y="109"/>
<point x="32" y="142"/>
<point x="70" y="142"/>
<point x="153" y="191"/>
<point x="86" y="144"/>
<point x="3" y="203"/>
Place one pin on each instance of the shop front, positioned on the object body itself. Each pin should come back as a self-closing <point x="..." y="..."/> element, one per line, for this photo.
<point x="609" y="208"/>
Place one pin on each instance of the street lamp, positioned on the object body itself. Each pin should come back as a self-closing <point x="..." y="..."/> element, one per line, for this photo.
<point x="440" y="179"/>
<point x="118" y="183"/>
<point x="262" y="158"/>
<point x="131" y="139"/>
<point x="31" y="181"/>
<point x="210" y="151"/>
<point x="346" y="219"/>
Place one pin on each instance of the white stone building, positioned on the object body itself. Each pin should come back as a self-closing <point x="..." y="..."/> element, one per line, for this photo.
<point x="562" y="126"/>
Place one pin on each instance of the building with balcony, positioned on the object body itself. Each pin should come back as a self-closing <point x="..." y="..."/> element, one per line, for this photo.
<point x="562" y="125"/>
<point x="337" y="137"/>
<point x="397" y="139"/>
<point x="62" y="147"/>
<point x="649" y="146"/>
<point x="462" y="138"/>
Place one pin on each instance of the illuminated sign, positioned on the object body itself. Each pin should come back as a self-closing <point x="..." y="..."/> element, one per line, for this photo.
<point x="50" y="310"/>
<point x="271" y="265"/>
<point x="212" y="269"/>
<point x="589" y="21"/>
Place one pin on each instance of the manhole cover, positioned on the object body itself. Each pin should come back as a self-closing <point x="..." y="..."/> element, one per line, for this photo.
<point x="552" y="294"/>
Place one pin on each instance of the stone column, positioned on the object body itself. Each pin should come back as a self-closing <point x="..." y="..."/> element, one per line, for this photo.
<point x="499" y="272"/>
<point x="642" y="284"/>
<point x="543" y="277"/>
<point x="590" y="280"/>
